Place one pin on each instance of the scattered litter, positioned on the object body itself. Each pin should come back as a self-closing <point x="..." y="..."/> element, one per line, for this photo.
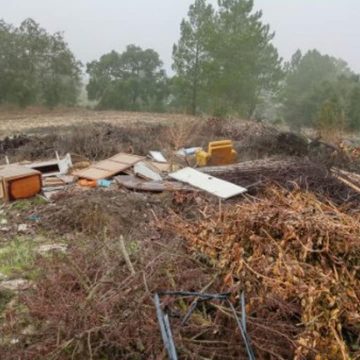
<point x="188" y="151"/>
<point x="147" y="171"/>
<point x="104" y="183"/>
<point x="157" y="156"/>
<point x="15" y="285"/>
<point x="22" y="228"/>
<point x="222" y="189"/>
<point x="34" y="218"/>
<point x="87" y="183"/>
<point x="3" y="222"/>
<point x="45" y="249"/>
<point x="18" y="182"/>
<point x="108" y="168"/>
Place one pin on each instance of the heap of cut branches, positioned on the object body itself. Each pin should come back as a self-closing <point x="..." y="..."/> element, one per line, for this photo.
<point x="297" y="258"/>
<point x="288" y="172"/>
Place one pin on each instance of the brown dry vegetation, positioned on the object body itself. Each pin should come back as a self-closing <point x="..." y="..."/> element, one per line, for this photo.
<point x="36" y="119"/>
<point x="294" y="253"/>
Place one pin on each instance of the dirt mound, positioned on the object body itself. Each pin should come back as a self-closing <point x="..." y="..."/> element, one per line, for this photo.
<point x="100" y="212"/>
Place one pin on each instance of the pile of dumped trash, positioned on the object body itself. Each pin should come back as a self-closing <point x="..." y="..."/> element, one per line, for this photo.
<point x="191" y="254"/>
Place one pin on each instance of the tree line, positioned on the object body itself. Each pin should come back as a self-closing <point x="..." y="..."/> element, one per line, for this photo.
<point x="224" y="64"/>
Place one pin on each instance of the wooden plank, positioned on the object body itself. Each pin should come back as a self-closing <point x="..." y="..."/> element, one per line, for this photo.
<point x="14" y="171"/>
<point x="163" y="167"/>
<point x="220" y="188"/>
<point x="110" y="167"/>
<point x="127" y="158"/>
<point x="93" y="174"/>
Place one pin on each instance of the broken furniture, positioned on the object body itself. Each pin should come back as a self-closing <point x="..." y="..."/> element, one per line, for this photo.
<point x="219" y="153"/>
<point x="164" y="322"/>
<point x="110" y="167"/>
<point x="18" y="182"/>
<point x="52" y="167"/>
<point x="220" y="188"/>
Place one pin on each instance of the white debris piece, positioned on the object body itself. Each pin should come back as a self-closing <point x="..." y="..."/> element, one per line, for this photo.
<point x="157" y="156"/>
<point x="22" y="227"/>
<point x="14" y="285"/>
<point x="145" y="170"/>
<point x="220" y="188"/>
<point x="188" y="151"/>
<point x="44" y="249"/>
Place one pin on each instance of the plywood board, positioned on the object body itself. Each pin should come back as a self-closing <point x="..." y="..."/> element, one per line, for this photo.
<point x="93" y="174"/>
<point x="127" y="158"/>
<point x="163" y="167"/>
<point x="110" y="167"/>
<point x="15" y="171"/>
<point x="220" y="188"/>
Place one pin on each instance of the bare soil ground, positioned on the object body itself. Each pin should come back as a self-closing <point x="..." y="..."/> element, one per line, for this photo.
<point x="17" y="121"/>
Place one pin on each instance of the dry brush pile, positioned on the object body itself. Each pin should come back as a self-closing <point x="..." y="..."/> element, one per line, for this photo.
<point x="96" y="300"/>
<point x="298" y="259"/>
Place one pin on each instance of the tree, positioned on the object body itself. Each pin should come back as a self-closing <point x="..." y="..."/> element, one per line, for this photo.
<point x="37" y="67"/>
<point x="190" y="55"/>
<point x="245" y="63"/>
<point x="133" y="80"/>
<point x="225" y="58"/>
<point x="310" y="81"/>
<point x="353" y="109"/>
<point x="330" y="119"/>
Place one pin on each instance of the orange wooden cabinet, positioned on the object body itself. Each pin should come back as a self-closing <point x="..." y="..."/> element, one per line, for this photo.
<point x="18" y="182"/>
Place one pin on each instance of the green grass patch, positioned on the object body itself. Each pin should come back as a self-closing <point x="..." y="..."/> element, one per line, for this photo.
<point x="5" y="297"/>
<point x="17" y="256"/>
<point x="27" y="204"/>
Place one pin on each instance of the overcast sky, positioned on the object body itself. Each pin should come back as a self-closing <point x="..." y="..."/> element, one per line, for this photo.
<point x="94" y="27"/>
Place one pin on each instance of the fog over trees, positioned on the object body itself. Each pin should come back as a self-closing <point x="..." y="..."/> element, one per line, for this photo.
<point x="224" y="64"/>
